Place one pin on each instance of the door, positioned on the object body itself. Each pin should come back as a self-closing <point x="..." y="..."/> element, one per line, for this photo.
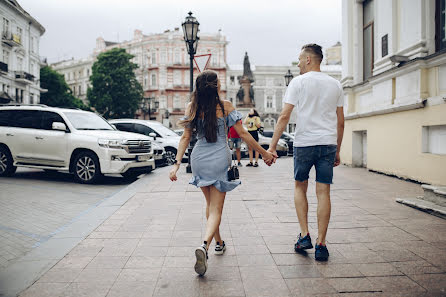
<point x="51" y="145"/>
<point x="24" y="124"/>
<point x="364" y="149"/>
<point x="359" y="149"/>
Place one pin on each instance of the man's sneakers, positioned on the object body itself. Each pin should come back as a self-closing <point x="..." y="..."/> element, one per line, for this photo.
<point x="220" y="249"/>
<point x="303" y="243"/>
<point x="201" y="254"/>
<point x="321" y="253"/>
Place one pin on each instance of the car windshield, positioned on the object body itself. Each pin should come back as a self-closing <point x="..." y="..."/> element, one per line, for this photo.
<point x="163" y="130"/>
<point x="87" y="121"/>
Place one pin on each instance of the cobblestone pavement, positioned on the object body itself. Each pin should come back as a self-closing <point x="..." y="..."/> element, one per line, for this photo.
<point x="146" y="248"/>
<point x="35" y="205"/>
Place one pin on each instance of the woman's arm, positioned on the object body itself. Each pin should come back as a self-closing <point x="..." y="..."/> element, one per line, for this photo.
<point x="182" y="146"/>
<point x="258" y="123"/>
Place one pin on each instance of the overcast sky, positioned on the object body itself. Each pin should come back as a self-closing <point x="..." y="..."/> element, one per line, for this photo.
<point x="272" y="31"/>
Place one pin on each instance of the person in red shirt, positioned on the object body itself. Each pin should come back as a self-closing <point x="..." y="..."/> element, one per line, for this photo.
<point x="235" y="142"/>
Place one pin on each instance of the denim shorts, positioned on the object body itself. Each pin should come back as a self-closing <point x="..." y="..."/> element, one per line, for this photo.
<point x="235" y="143"/>
<point x="321" y="156"/>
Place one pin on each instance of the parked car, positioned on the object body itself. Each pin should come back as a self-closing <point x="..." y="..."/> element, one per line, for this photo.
<point x="288" y="138"/>
<point x="159" y="134"/>
<point x="282" y="146"/>
<point x="76" y="141"/>
<point x="179" y="131"/>
<point x="159" y="154"/>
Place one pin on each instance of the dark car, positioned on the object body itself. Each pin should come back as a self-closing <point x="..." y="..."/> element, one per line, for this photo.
<point x="287" y="137"/>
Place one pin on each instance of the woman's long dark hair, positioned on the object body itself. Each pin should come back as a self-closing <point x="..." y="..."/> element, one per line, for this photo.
<point x="204" y="101"/>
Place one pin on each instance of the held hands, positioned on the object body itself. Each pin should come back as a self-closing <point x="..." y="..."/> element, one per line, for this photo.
<point x="173" y="172"/>
<point x="270" y="157"/>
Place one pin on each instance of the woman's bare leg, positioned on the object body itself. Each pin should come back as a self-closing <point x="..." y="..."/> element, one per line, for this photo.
<point x="217" y="200"/>
<point x="207" y="194"/>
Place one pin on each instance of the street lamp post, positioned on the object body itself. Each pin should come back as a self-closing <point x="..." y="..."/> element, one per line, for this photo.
<point x="288" y="77"/>
<point x="190" y="30"/>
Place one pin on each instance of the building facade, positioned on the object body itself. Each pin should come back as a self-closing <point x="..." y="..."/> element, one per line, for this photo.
<point x="163" y="72"/>
<point x="20" y="60"/>
<point x="394" y="79"/>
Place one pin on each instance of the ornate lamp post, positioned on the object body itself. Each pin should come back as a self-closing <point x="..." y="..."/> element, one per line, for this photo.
<point x="288" y="77"/>
<point x="190" y="30"/>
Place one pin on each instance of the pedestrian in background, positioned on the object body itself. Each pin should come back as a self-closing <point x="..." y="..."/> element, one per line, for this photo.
<point x="235" y="142"/>
<point x="211" y="157"/>
<point x="253" y="123"/>
<point x="319" y="101"/>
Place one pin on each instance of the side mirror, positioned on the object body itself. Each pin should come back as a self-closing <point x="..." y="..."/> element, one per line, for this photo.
<point x="151" y="134"/>
<point x="59" y="126"/>
<point x="114" y="127"/>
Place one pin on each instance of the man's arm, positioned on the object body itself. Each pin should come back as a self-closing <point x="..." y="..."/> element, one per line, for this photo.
<point x="340" y="128"/>
<point x="284" y="118"/>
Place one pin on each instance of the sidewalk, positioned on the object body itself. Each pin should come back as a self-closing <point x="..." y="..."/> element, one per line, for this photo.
<point x="146" y="248"/>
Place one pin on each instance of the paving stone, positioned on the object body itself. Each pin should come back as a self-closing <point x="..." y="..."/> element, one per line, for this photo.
<point x="132" y="289"/>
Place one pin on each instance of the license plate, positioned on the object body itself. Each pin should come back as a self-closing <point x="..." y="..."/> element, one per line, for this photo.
<point x="143" y="158"/>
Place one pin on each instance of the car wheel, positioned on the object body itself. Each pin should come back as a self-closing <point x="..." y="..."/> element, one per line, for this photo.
<point x="86" y="168"/>
<point x="171" y="154"/>
<point x="6" y="162"/>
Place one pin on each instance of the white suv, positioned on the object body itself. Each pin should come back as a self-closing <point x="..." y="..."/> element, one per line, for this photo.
<point x="71" y="140"/>
<point x="159" y="133"/>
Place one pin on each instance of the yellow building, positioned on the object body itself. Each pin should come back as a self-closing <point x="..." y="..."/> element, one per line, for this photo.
<point x="394" y="78"/>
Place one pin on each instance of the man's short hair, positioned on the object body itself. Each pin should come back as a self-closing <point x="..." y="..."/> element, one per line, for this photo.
<point x="314" y="49"/>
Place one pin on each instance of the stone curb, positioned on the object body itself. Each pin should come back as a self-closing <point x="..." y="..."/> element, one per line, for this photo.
<point x="425" y="206"/>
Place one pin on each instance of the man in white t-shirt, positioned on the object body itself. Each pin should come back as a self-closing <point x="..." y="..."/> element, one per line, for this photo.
<point x="318" y="99"/>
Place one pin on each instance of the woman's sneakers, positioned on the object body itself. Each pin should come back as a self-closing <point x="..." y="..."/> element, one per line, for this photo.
<point x="256" y="164"/>
<point x="220" y="249"/>
<point x="249" y="164"/>
<point x="321" y="253"/>
<point x="201" y="254"/>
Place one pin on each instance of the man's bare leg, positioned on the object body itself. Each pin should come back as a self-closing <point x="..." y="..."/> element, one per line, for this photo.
<point x="323" y="211"/>
<point x="301" y="204"/>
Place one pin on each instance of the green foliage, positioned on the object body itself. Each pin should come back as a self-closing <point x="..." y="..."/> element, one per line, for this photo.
<point x="59" y="94"/>
<point x="115" y="92"/>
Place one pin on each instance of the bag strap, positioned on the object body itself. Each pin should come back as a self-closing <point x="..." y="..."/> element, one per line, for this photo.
<point x="226" y="133"/>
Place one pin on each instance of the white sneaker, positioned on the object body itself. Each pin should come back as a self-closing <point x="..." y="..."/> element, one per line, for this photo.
<point x="220" y="249"/>
<point x="202" y="264"/>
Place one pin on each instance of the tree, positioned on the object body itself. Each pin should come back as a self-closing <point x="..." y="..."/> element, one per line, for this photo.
<point x="115" y="92"/>
<point x="59" y="93"/>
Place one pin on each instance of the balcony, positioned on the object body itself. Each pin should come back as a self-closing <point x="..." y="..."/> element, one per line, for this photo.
<point x="3" y="68"/>
<point x="11" y="39"/>
<point x="24" y="77"/>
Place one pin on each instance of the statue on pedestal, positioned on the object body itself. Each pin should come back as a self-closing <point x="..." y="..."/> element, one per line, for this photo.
<point x="245" y="94"/>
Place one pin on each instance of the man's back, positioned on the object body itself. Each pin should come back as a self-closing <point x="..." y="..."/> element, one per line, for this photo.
<point x="316" y="96"/>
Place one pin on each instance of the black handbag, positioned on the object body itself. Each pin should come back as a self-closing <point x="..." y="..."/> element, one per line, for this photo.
<point x="233" y="173"/>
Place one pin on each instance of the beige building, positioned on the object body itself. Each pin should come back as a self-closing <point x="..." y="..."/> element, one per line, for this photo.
<point x="19" y="55"/>
<point x="163" y="70"/>
<point x="394" y="78"/>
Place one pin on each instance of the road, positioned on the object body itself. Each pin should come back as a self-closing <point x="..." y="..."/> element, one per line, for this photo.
<point x="36" y="205"/>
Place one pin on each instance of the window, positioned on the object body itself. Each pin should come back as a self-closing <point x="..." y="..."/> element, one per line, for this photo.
<point x="19" y="64"/>
<point x="5" y="25"/>
<point x="31" y="119"/>
<point x="49" y="118"/>
<point x="214" y="59"/>
<point x="127" y="127"/>
<point x="146" y="78"/>
<point x="269" y="101"/>
<point x="186" y="78"/>
<point x="142" y="129"/>
<point x="163" y="102"/>
<point x="32" y="45"/>
<point x="19" y="32"/>
<point x="368" y="38"/>
<point x="153" y="82"/>
<point x="5" y="57"/>
<point x="177" y="77"/>
<point x="176" y="102"/>
<point x="434" y="139"/>
<point x="163" y="57"/>
<point x="31" y="99"/>
<point x="32" y="68"/>
<point x="80" y="90"/>
<point x="440" y="25"/>
<point x="88" y="72"/>
<point x="177" y="59"/>
<point x="5" y="118"/>
<point x="231" y="79"/>
<point x="153" y="57"/>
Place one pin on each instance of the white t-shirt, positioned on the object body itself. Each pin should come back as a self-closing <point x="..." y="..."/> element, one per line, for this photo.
<point x="316" y="96"/>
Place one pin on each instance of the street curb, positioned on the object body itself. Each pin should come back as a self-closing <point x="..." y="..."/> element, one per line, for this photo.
<point x="37" y="262"/>
<point x="425" y="206"/>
